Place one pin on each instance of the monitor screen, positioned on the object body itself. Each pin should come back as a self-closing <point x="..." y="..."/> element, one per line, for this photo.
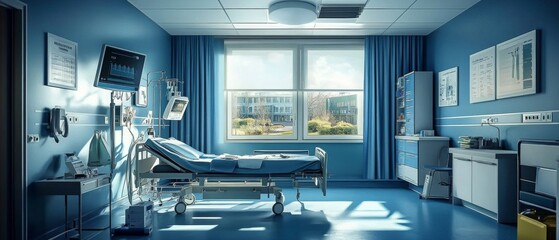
<point x="175" y="108"/>
<point x="119" y="69"/>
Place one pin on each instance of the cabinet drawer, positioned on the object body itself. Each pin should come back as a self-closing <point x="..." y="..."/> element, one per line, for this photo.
<point x="408" y="174"/>
<point x="401" y="157"/>
<point x="411" y="160"/>
<point x="401" y="172"/>
<point x="411" y="147"/>
<point x="400" y="145"/>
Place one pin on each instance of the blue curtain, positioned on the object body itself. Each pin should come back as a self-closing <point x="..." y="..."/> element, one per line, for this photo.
<point x="386" y="58"/>
<point x="193" y="63"/>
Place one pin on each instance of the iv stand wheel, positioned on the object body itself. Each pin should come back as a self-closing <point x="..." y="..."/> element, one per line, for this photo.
<point x="180" y="207"/>
<point x="277" y="208"/>
<point x="190" y="199"/>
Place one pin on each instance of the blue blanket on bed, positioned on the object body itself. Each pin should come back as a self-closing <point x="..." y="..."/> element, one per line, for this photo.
<point x="223" y="165"/>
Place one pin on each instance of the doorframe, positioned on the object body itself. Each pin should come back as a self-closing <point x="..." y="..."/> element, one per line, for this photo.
<point x="18" y="189"/>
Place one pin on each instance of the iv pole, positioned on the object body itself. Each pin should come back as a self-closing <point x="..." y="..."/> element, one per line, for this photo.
<point x="113" y="150"/>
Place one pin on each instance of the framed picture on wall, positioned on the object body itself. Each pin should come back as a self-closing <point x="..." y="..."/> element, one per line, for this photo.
<point x="448" y="87"/>
<point x="482" y="76"/>
<point x="517" y="62"/>
<point x="62" y="62"/>
<point x="142" y="96"/>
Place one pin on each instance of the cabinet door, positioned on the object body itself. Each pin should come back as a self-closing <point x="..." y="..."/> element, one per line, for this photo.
<point x="462" y="178"/>
<point x="484" y="183"/>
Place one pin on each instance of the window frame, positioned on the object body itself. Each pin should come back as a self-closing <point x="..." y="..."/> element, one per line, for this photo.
<point x="299" y="106"/>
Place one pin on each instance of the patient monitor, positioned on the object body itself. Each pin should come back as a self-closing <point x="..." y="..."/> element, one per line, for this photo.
<point x="175" y="108"/>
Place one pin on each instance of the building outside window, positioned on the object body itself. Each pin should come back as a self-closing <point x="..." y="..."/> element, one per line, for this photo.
<point x="291" y="90"/>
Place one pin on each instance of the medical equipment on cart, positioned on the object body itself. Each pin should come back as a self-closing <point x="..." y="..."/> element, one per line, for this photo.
<point x="138" y="220"/>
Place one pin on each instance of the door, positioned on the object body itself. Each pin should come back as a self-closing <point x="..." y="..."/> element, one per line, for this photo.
<point x="12" y="120"/>
<point x="462" y="177"/>
<point x="5" y="145"/>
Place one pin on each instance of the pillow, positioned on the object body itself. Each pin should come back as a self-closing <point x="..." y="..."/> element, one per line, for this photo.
<point x="181" y="148"/>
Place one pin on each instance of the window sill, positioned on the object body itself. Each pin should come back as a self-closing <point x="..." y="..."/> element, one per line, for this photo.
<point x="268" y="141"/>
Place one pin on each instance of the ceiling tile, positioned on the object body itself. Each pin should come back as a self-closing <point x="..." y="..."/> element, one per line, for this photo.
<point x="272" y="26"/>
<point x="349" y="32"/>
<point x="351" y="25"/>
<point x="187" y="16"/>
<point x="429" y="15"/>
<point x="246" y="3"/>
<point x="380" y="15"/>
<point x="215" y="32"/>
<point x="389" y="3"/>
<point x="418" y="25"/>
<point x="335" y="20"/>
<point x="456" y="4"/>
<point x="176" y="4"/>
<point x="408" y="31"/>
<point x="276" y="32"/>
<point x="344" y="1"/>
<point x="197" y="26"/>
<point x="248" y="15"/>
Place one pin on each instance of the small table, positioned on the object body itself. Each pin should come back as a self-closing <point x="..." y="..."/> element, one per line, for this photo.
<point x="72" y="186"/>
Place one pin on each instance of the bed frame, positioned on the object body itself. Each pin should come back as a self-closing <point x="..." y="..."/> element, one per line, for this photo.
<point x="219" y="185"/>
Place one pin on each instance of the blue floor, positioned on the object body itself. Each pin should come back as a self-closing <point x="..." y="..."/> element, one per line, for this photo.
<point x="355" y="213"/>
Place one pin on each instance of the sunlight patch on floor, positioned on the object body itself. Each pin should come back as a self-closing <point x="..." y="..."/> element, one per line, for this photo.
<point x="189" y="228"/>
<point x="253" y="229"/>
<point x="330" y="208"/>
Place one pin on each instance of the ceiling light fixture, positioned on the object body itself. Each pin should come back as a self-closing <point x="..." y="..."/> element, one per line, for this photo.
<point x="292" y="12"/>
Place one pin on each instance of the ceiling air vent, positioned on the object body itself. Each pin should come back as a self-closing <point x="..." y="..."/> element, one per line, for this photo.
<point x="340" y="10"/>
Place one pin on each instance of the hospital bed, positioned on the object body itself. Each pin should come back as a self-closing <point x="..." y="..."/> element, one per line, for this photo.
<point x="168" y="164"/>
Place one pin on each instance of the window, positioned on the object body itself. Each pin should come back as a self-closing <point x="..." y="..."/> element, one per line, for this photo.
<point x="309" y="89"/>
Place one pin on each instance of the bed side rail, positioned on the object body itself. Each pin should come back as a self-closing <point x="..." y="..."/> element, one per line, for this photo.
<point x="141" y="148"/>
<point x="322" y="180"/>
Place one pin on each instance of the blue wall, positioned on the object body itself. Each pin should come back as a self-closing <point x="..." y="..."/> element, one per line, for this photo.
<point x="89" y="23"/>
<point x="487" y="24"/>
<point x="345" y="160"/>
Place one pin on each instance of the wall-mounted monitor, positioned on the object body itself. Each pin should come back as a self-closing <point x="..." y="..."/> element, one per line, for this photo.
<point x="175" y="108"/>
<point x="119" y="69"/>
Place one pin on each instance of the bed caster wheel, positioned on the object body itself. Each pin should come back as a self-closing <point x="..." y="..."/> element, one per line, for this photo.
<point x="180" y="207"/>
<point x="277" y="208"/>
<point x="191" y="199"/>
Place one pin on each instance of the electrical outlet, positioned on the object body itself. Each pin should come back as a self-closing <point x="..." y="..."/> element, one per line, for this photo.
<point x="489" y="120"/>
<point x="547" y="116"/>
<point x="537" y="117"/>
<point x="32" y="138"/>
